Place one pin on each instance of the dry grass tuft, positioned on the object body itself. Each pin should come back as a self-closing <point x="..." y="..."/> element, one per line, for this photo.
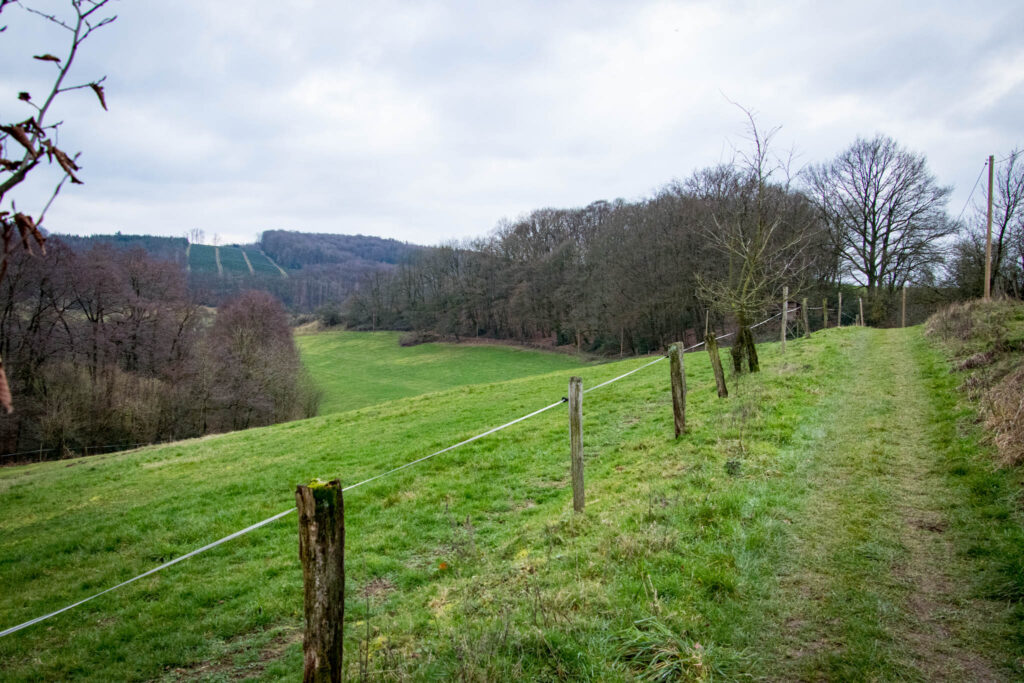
<point x="1004" y="415"/>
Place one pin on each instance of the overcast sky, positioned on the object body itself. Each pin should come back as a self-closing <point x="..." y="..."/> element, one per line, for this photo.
<point x="428" y="121"/>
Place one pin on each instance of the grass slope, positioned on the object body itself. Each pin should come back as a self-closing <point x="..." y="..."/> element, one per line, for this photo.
<point x="202" y="258"/>
<point x="259" y="262"/>
<point x="472" y="565"/>
<point x="357" y="369"/>
<point x="233" y="262"/>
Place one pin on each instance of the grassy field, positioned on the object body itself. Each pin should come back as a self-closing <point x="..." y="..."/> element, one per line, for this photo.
<point x="259" y="262"/>
<point x="202" y="259"/>
<point x="233" y="262"/>
<point x="357" y="369"/>
<point x="836" y="517"/>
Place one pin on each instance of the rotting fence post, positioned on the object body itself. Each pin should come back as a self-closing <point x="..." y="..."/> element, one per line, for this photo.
<point x="824" y="313"/>
<point x="716" y="364"/>
<point x="322" y="552"/>
<point x="678" y="373"/>
<point x="576" y="440"/>
<point x="860" y="301"/>
<point x="839" y="312"/>
<point x="785" y="317"/>
<point x="903" y="317"/>
<point x="807" y="325"/>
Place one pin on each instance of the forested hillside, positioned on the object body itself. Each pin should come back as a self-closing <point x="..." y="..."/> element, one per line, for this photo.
<point x="304" y="270"/>
<point x="721" y="246"/>
<point x="107" y="347"/>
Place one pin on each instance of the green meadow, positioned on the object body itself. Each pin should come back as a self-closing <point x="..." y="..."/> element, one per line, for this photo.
<point x="836" y="518"/>
<point x="356" y="369"/>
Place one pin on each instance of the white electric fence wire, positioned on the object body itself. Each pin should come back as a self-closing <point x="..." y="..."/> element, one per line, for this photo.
<point x="154" y="570"/>
<point x="625" y="374"/>
<point x="284" y="513"/>
<point x="461" y="443"/>
<point x="766" y="321"/>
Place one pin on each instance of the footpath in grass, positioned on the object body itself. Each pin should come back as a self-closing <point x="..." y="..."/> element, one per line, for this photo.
<point x="356" y="369"/>
<point x="901" y="557"/>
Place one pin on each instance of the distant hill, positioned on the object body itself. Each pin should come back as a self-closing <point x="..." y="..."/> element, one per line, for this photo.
<point x="305" y="270"/>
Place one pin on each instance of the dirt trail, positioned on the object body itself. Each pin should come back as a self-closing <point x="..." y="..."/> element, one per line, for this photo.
<point x="873" y="586"/>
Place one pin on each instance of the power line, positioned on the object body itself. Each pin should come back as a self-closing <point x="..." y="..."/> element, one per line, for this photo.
<point x="971" y="195"/>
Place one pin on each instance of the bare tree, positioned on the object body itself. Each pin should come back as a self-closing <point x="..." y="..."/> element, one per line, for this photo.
<point x="23" y="144"/>
<point x="1008" y="225"/>
<point x="886" y="216"/>
<point x="762" y="227"/>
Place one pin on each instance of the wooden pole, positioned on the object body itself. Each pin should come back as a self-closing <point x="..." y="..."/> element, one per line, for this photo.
<point x="860" y="300"/>
<point x="807" y="325"/>
<point x="678" y="375"/>
<point x="988" y="234"/>
<point x="716" y="364"/>
<point x="322" y="551"/>
<point x="839" y="313"/>
<point x="785" y="317"/>
<point x="824" y="314"/>
<point x="576" y="440"/>
<point x="903" y="316"/>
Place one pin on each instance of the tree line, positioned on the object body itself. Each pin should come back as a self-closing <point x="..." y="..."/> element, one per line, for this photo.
<point x="108" y="346"/>
<point x="714" y="249"/>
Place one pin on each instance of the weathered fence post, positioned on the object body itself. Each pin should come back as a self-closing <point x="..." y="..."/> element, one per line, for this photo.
<point x="576" y="440"/>
<point x="860" y="300"/>
<point x="678" y="376"/>
<point x="322" y="551"/>
<point x="903" y="317"/>
<point x="824" y="314"/>
<point x="785" y="317"/>
<point x="716" y="363"/>
<point x="807" y="325"/>
<point x="839" y="313"/>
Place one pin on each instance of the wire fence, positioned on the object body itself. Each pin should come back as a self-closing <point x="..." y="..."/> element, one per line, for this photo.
<point x="285" y="513"/>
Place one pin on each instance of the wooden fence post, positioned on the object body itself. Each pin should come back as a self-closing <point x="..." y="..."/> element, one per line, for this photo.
<point x="839" y="313"/>
<point x="576" y="440"/>
<point x="807" y="325"/>
<point x="785" y="317"/>
<point x="716" y="364"/>
<point x="678" y="375"/>
<point x="860" y="300"/>
<point x="903" y="318"/>
<point x="824" y="314"/>
<point x="322" y="551"/>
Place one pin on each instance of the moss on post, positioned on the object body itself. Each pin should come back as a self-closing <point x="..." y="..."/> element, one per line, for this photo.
<point x="322" y="552"/>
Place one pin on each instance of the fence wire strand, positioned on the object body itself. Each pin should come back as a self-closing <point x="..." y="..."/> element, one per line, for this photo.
<point x="285" y="513"/>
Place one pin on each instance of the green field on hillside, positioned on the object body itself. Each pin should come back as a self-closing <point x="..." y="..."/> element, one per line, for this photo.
<point x="202" y="258"/>
<point x="232" y="261"/>
<point x="260" y="264"/>
<point x="356" y="369"/>
<point x="783" y="537"/>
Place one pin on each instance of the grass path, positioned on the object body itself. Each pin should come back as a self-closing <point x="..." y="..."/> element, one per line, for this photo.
<point x="876" y="587"/>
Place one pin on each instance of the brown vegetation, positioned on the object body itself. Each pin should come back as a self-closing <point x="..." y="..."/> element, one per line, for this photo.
<point x="986" y="340"/>
<point x="108" y="347"/>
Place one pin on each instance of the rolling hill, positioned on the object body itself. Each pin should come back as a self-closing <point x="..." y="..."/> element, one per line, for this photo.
<point x="357" y="369"/>
<point x="833" y="519"/>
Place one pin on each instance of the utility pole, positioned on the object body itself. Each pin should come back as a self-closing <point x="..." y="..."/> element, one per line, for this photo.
<point x="988" y="234"/>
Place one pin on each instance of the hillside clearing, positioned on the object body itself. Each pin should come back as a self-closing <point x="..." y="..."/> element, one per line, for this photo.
<point x="789" y="534"/>
<point x="357" y="369"/>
